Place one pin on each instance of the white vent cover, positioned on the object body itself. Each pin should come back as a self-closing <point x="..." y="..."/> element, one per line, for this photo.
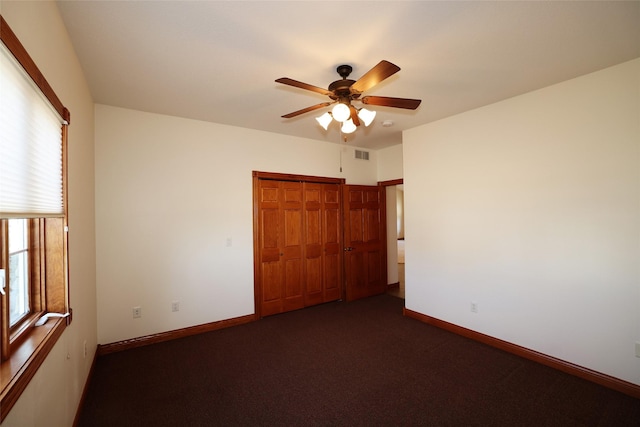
<point x="364" y="155"/>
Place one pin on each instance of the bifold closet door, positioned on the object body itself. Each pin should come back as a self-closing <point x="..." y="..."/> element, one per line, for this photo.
<point x="281" y="246"/>
<point x="322" y="231"/>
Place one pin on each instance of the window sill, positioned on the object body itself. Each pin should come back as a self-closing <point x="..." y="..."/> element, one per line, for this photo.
<point x="17" y="371"/>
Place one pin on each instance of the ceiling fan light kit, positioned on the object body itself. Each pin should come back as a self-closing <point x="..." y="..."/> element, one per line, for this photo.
<point x="343" y="92"/>
<point x="366" y="116"/>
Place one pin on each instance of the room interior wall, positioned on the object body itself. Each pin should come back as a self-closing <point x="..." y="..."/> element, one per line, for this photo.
<point x="174" y="215"/>
<point x="53" y="395"/>
<point x="530" y="209"/>
<point x="389" y="163"/>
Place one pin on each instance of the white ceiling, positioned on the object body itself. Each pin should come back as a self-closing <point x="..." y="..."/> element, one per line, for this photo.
<point x="217" y="60"/>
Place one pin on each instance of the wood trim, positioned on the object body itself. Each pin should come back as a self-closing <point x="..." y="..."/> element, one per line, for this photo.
<point x="17" y="371"/>
<point x="391" y="182"/>
<point x="383" y="232"/>
<point x="303" y="178"/>
<point x="4" y="305"/>
<point x="10" y="40"/>
<point x="85" y="389"/>
<point x="172" y="335"/>
<point x="613" y="383"/>
<point x="257" y="275"/>
<point x="393" y="285"/>
<point x="65" y="221"/>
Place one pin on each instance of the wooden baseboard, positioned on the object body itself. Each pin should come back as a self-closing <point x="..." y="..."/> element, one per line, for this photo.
<point x="76" y="419"/>
<point x="393" y="286"/>
<point x="172" y="335"/>
<point x="617" y="384"/>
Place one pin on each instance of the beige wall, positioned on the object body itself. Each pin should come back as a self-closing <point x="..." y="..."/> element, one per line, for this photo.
<point x="52" y="396"/>
<point x="531" y="208"/>
<point x="170" y="192"/>
<point x="390" y="163"/>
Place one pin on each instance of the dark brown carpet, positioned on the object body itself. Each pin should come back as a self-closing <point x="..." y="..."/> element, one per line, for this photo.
<point x="340" y="364"/>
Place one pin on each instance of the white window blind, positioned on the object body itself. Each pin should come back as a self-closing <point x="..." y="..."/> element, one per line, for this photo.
<point x="31" y="182"/>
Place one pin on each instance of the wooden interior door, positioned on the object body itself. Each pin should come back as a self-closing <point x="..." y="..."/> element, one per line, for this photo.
<point x="280" y="238"/>
<point x="364" y="241"/>
<point x="332" y="239"/>
<point x="322" y="254"/>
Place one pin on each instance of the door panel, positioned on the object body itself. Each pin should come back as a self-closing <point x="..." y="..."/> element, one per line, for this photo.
<point x="271" y="280"/>
<point x="332" y="237"/>
<point x="293" y="298"/>
<point x="291" y="255"/>
<point x="313" y="243"/>
<point x="280" y="240"/>
<point x="271" y="271"/>
<point x="356" y="225"/>
<point x="372" y="227"/>
<point x="322" y="242"/>
<point x="313" y="281"/>
<point x="365" y="252"/>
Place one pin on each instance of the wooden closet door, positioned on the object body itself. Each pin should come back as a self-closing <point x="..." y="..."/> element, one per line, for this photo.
<point x="281" y="249"/>
<point x="332" y="239"/>
<point x="322" y="243"/>
<point x="313" y="247"/>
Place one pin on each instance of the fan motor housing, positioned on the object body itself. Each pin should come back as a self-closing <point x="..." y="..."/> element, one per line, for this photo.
<point x="341" y="88"/>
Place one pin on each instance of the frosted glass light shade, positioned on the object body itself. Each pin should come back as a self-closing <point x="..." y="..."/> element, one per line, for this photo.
<point x="366" y="116"/>
<point x="324" y="120"/>
<point x="341" y="112"/>
<point x="348" y="126"/>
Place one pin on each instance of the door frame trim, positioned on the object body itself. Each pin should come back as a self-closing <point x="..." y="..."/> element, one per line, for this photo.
<point x="297" y="178"/>
<point x="389" y="183"/>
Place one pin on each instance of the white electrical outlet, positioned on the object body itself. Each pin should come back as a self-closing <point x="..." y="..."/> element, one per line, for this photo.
<point x="474" y="307"/>
<point x="175" y="306"/>
<point x="638" y="349"/>
<point x="137" y="312"/>
<point x="229" y="242"/>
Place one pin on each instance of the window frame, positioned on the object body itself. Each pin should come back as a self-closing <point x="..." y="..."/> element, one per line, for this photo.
<point x="26" y="251"/>
<point x="24" y="347"/>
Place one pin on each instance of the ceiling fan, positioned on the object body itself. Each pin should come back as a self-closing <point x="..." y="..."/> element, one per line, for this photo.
<point x="343" y="92"/>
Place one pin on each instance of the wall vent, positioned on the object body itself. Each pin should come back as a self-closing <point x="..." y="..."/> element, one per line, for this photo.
<point x="364" y="155"/>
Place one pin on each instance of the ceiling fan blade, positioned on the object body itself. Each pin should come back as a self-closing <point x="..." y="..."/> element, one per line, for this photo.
<point x="384" y="101"/>
<point x="295" y="83"/>
<point x="374" y="76"/>
<point x="306" y="110"/>
<point x="354" y="115"/>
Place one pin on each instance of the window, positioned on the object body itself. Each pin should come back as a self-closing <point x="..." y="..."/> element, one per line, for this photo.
<point x="18" y="263"/>
<point x="33" y="218"/>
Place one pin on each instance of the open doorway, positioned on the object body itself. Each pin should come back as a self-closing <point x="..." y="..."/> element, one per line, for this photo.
<point x="395" y="238"/>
